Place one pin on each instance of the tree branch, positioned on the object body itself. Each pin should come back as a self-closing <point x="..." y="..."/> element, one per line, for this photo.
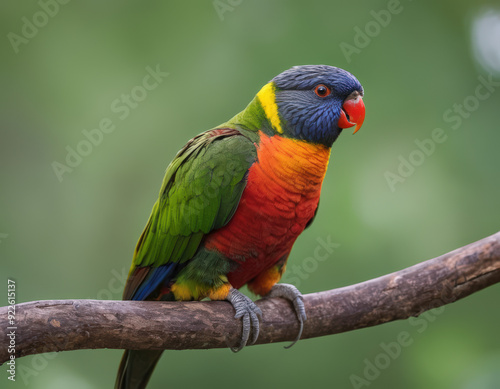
<point x="59" y="325"/>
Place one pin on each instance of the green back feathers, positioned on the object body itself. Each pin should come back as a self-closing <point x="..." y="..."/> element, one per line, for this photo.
<point x="200" y="192"/>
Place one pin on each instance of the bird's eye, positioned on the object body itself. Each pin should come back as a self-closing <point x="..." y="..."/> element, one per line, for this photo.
<point x="322" y="90"/>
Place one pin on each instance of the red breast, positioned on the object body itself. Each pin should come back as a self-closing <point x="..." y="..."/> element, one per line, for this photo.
<point x="281" y="196"/>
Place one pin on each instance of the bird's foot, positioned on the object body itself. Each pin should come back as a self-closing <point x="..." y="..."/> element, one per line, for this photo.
<point x="291" y="293"/>
<point x="249" y="313"/>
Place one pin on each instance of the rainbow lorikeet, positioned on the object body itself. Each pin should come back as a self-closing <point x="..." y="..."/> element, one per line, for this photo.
<point x="235" y="199"/>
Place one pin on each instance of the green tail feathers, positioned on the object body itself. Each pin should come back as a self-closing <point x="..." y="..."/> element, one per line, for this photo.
<point x="136" y="368"/>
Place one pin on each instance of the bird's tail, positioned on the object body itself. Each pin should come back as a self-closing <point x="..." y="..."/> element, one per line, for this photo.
<point x="136" y="368"/>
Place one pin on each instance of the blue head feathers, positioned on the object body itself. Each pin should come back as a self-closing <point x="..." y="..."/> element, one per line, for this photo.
<point x="310" y="100"/>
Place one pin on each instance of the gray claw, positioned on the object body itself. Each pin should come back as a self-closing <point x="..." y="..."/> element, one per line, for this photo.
<point x="291" y="293"/>
<point x="249" y="313"/>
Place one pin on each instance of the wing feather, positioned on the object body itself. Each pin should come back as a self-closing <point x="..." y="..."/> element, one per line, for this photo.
<point x="200" y="193"/>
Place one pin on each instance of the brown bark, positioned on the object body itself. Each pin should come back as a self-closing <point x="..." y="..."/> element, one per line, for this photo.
<point x="60" y="325"/>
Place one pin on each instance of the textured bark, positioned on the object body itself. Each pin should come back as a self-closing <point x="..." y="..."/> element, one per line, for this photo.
<point x="60" y="325"/>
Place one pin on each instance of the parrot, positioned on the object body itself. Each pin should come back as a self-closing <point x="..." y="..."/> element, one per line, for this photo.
<point x="234" y="200"/>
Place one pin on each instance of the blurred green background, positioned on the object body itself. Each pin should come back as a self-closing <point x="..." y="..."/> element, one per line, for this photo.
<point x="75" y="238"/>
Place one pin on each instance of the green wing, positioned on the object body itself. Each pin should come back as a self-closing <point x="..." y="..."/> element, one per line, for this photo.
<point x="200" y="193"/>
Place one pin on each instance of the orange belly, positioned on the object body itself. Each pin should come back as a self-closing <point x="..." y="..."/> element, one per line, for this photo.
<point x="281" y="196"/>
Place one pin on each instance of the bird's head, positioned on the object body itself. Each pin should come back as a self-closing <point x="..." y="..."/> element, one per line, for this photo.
<point x="313" y="103"/>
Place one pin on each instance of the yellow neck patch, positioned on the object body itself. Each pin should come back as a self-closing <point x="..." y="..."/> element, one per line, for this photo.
<point x="267" y="98"/>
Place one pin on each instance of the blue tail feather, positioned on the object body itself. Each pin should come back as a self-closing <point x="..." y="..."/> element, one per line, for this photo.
<point x="155" y="277"/>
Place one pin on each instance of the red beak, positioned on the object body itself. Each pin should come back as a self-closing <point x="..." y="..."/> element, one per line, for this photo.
<point x="354" y="108"/>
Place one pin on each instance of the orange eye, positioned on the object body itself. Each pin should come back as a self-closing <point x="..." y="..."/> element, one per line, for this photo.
<point x="322" y="90"/>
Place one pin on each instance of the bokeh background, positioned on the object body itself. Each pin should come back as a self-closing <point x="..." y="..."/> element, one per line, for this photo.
<point x="74" y="238"/>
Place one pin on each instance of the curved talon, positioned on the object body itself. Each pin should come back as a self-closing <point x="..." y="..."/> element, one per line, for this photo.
<point x="292" y="294"/>
<point x="298" y="304"/>
<point x="250" y="315"/>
